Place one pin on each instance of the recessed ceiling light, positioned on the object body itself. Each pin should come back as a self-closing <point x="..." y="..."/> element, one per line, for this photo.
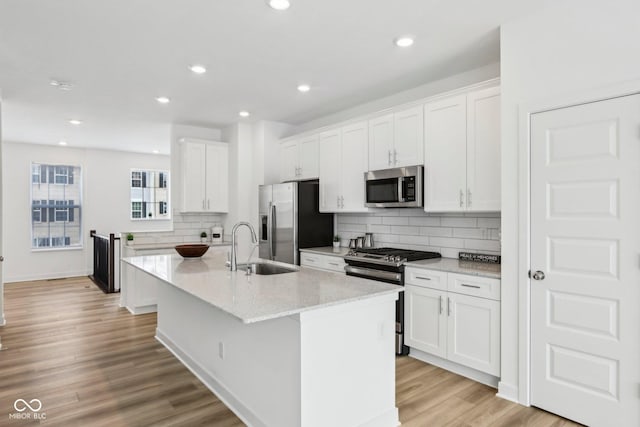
<point x="60" y="84"/>
<point x="156" y="151"/>
<point x="163" y="100"/>
<point x="304" y="88"/>
<point x="244" y="114"/>
<point x="198" y="69"/>
<point x="279" y="4"/>
<point x="62" y="143"/>
<point x="404" y="41"/>
<point x="75" y="122"/>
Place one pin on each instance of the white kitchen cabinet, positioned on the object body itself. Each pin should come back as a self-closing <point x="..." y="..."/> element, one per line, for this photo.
<point x="322" y="262"/>
<point x="396" y="139"/>
<point x="299" y="159"/>
<point x="205" y="176"/>
<point x="460" y="324"/>
<point x="462" y="152"/>
<point x="343" y="162"/>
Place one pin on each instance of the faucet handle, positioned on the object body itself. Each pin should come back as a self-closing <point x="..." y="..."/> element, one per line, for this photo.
<point x="228" y="261"/>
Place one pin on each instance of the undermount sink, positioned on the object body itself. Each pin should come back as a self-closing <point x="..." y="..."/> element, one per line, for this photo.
<point x="264" y="268"/>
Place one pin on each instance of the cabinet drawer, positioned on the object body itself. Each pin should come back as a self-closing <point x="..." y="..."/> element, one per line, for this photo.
<point x="334" y="263"/>
<point x="310" y="260"/>
<point x="483" y="287"/>
<point x="324" y="262"/>
<point x="426" y="278"/>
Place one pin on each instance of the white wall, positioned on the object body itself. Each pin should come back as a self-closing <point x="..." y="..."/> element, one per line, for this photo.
<point x="105" y="205"/>
<point x="568" y="48"/>
<point x="2" y="245"/>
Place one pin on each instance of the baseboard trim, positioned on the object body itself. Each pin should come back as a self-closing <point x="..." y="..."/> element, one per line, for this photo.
<point x="465" y="371"/>
<point x="508" y="392"/>
<point x="144" y="309"/>
<point x="48" y="276"/>
<point x="206" y="378"/>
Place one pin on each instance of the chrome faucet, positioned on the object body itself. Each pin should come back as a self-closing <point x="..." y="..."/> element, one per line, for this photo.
<point x="254" y="240"/>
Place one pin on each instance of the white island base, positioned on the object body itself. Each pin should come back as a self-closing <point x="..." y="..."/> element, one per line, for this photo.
<point x="331" y="366"/>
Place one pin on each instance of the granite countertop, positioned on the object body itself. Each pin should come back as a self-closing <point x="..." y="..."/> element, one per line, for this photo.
<point x="454" y="265"/>
<point x="327" y="250"/>
<point x="143" y="246"/>
<point x="256" y="298"/>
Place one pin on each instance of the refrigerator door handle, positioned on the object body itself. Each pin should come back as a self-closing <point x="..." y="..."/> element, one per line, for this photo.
<point x="272" y="244"/>
<point x="270" y="230"/>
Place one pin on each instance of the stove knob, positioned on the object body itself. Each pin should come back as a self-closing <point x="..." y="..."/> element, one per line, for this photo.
<point x="397" y="258"/>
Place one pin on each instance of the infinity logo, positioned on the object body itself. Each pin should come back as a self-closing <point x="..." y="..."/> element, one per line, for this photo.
<point x="25" y="405"/>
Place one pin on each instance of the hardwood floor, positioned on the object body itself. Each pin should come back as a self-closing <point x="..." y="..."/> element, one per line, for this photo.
<point x="91" y="363"/>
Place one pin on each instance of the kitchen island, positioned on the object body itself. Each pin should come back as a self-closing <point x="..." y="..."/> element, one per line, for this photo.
<point x="306" y="348"/>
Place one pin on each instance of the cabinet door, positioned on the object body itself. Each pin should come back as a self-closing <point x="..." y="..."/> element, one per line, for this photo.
<point x="381" y="142"/>
<point x="408" y="141"/>
<point x="473" y="337"/>
<point x="354" y="165"/>
<point x="217" y="177"/>
<point x="308" y="157"/>
<point x="193" y="173"/>
<point x="445" y="155"/>
<point x="483" y="150"/>
<point x="288" y="161"/>
<point x="425" y="320"/>
<point x="330" y="170"/>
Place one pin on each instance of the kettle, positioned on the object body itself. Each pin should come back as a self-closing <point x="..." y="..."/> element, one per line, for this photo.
<point x="368" y="240"/>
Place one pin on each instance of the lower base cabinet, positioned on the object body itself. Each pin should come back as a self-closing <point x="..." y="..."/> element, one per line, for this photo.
<point x="322" y="262"/>
<point x="462" y="328"/>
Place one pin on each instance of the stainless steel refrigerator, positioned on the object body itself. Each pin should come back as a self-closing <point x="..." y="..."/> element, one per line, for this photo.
<point x="290" y="220"/>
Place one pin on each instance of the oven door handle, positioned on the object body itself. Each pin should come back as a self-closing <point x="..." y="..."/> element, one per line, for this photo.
<point x="374" y="274"/>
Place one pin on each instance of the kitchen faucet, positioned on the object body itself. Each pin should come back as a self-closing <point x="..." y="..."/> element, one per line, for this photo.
<point x="254" y="240"/>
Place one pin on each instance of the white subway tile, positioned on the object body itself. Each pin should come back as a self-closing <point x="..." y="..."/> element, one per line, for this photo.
<point x="376" y="228"/>
<point x="489" y="245"/>
<point x="436" y="231"/>
<point x="403" y="229"/>
<point x="446" y="242"/>
<point x="449" y="252"/>
<point x="395" y="220"/>
<point x="489" y="222"/>
<point x="352" y="227"/>
<point x="414" y="240"/>
<point x="494" y="234"/>
<point x="470" y="233"/>
<point x="378" y="239"/>
<point x="459" y="222"/>
<point x="429" y="221"/>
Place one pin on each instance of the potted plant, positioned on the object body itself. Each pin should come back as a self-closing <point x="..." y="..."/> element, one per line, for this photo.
<point x="336" y="241"/>
<point x="129" y="239"/>
<point x="203" y="237"/>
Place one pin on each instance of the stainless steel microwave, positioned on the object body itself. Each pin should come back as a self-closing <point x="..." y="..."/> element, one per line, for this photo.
<point x="394" y="188"/>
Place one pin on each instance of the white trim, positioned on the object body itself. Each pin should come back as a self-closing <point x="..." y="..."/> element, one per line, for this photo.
<point x="48" y="276"/>
<point x="525" y="110"/>
<point x="456" y="368"/>
<point x="143" y="309"/>
<point x="507" y="392"/>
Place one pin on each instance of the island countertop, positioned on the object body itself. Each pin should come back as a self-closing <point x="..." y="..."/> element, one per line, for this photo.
<point x="257" y="298"/>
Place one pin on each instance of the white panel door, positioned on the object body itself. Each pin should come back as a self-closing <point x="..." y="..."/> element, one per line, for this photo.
<point x="381" y="142"/>
<point x="308" y="157"/>
<point x="445" y="155"/>
<point x="585" y="239"/>
<point x="217" y="177"/>
<point x="425" y="320"/>
<point x="330" y="170"/>
<point x="194" y="173"/>
<point x="288" y="161"/>
<point x="483" y="150"/>
<point x="354" y="165"/>
<point x="408" y="141"/>
<point x="473" y="337"/>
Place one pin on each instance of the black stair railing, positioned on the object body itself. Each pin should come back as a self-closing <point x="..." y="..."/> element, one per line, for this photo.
<point x="104" y="259"/>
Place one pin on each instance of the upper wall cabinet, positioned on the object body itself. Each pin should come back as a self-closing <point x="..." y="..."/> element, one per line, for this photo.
<point x="462" y="152"/>
<point x="343" y="162"/>
<point x="299" y="159"/>
<point x="205" y="176"/>
<point x="396" y="139"/>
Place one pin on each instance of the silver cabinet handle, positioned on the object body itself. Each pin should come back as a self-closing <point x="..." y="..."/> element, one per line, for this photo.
<point x="461" y="198"/>
<point x="468" y="197"/>
<point x="202" y="204"/>
<point x="440" y="304"/>
<point x="395" y="157"/>
<point x="208" y="203"/>
<point x="389" y="153"/>
<point x="538" y="275"/>
<point x="335" y="264"/>
<point x="423" y="278"/>
<point x="470" y="286"/>
<point x="342" y="202"/>
<point x="448" y="306"/>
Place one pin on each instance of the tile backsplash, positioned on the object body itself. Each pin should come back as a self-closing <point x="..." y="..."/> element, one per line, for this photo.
<point x="186" y="229"/>
<point x="447" y="233"/>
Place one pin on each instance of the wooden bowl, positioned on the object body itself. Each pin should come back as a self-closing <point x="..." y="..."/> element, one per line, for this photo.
<point x="194" y="250"/>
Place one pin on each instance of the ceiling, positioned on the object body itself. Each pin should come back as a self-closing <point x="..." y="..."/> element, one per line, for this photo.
<point x="119" y="55"/>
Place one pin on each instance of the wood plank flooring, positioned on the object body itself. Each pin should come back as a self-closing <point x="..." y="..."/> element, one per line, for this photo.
<point x="91" y="363"/>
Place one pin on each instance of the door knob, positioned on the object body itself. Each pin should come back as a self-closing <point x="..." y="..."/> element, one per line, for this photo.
<point x="538" y="275"/>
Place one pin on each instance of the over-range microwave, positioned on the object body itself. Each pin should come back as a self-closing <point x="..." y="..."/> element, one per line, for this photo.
<point x="394" y="188"/>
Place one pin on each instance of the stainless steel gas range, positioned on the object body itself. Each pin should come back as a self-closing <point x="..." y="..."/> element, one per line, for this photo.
<point x="386" y="265"/>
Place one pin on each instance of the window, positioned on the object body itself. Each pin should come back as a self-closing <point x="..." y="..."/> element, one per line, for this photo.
<point x="56" y="192"/>
<point x="149" y="194"/>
